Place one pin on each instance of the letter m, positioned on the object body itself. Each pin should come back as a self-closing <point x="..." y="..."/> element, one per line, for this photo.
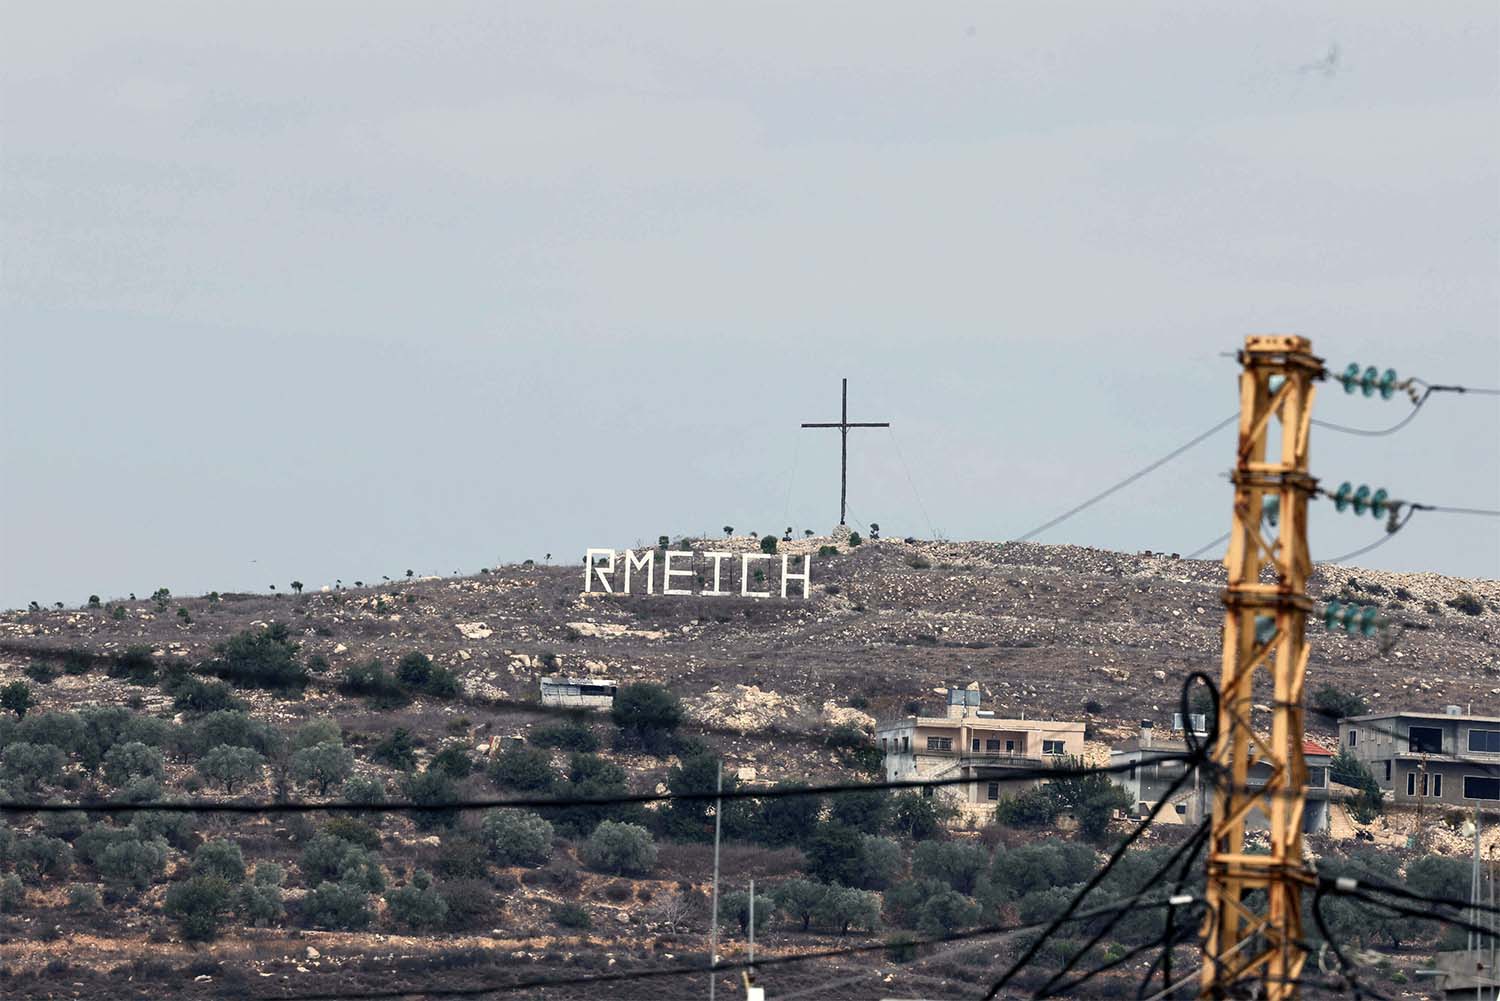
<point x="648" y="564"/>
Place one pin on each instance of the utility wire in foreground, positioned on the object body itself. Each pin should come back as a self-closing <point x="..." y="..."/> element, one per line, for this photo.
<point x="1130" y="479"/>
<point x="545" y="802"/>
<point x="697" y="969"/>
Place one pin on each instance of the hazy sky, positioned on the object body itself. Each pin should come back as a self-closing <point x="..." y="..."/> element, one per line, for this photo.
<point x="333" y="290"/>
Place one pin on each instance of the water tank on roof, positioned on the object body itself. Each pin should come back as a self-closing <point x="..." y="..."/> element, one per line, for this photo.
<point x="1453" y="710"/>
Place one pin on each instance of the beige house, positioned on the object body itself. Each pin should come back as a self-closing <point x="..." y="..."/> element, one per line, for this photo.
<point x="976" y="745"/>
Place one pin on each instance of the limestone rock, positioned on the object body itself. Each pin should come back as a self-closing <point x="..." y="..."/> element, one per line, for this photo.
<point x="474" y="630"/>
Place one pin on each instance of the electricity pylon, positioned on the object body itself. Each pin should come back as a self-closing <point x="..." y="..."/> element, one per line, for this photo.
<point x="1251" y="942"/>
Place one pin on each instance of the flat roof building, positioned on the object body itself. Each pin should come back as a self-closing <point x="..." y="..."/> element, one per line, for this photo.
<point x="973" y="745"/>
<point x="1450" y="757"/>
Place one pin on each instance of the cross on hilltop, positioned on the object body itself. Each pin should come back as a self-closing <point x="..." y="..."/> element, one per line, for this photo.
<point x="844" y="425"/>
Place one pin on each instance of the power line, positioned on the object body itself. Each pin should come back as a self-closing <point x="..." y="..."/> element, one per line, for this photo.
<point x="912" y="481"/>
<point x="760" y="962"/>
<point x="1130" y="479"/>
<point x="549" y="802"/>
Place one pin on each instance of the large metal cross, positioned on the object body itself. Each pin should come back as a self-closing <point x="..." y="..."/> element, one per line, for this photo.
<point x="844" y="425"/>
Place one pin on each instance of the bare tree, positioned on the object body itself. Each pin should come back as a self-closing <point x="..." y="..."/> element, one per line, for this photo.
<point x="674" y="910"/>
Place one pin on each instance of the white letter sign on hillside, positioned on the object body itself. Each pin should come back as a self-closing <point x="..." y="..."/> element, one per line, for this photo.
<point x="599" y="566"/>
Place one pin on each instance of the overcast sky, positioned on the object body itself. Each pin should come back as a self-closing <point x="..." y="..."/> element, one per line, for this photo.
<point x="327" y="290"/>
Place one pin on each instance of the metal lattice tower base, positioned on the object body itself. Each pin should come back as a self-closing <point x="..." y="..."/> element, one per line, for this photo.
<point x="1253" y="941"/>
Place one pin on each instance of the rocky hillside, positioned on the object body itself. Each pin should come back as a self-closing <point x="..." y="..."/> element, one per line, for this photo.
<point x="1049" y="631"/>
<point x="1043" y="629"/>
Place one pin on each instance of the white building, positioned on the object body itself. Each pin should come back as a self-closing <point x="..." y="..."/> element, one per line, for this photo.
<point x="579" y="693"/>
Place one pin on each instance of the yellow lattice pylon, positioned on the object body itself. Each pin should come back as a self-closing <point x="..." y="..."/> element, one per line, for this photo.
<point x="1250" y="939"/>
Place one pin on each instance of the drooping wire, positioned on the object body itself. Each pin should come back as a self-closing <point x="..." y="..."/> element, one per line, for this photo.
<point x="695" y="969"/>
<point x="1198" y="754"/>
<point x="912" y="480"/>
<point x="1127" y="481"/>
<point x="1390" y="533"/>
<point x="550" y="802"/>
<point x="1205" y="548"/>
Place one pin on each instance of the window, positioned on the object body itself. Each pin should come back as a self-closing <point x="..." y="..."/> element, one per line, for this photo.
<point x="882" y="744"/>
<point x="1424" y="783"/>
<point x="992" y="746"/>
<point x="1052" y="747"/>
<point x="906" y="744"/>
<point x="1317" y="777"/>
<point x="1353" y="738"/>
<point x="992" y="791"/>
<point x="1181" y="809"/>
<point x="1437" y="784"/>
<point x="1387" y="769"/>
<point x="1477" y="787"/>
<point x="940" y="743"/>
<point x="1411" y="783"/>
<point x="1132" y="771"/>
<point x="1425" y="739"/>
<point x="1485" y="741"/>
<point x="975" y="746"/>
<point x="1010" y="747"/>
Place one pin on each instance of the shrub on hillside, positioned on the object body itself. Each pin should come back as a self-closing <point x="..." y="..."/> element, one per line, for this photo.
<point x="259" y="901"/>
<point x="12" y="894"/>
<point x="619" y="849"/>
<point x="196" y="696"/>
<point x="132" y="863"/>
<point x="734" y="910"/>
<point x="418" y="904"/>
<point x="647" y="715"/>
<point x="429" y="788"/>
<point x="261" y="658"/>
<point x="16" y="697"/>
<point x="329" y="859"/>
<point x="363" y="789"/>
<point x="234" y="728"/>
<point x="946" y="912"/>
<point x="524" y="769"/>
<point x="200" y="906"/>
<point x="398" y="750"/>
<point x="590" y="776"/>
<point x="1335" y="703"/>
<point x="842" y="908"/>
<point x="371" y="682"/>
<point x="322" y="730"/>
<point x="134" y="760"/>
<point x="835" y="854"/>
<point x="340" y="906"/>
<point x="25" y="768"/>
<point x="220" y="858"/>
<point x="868" y="812"/>
<point x="799" y="899"/>
<point x="571" y="915"/>
<point x="955" y="863"/>
<point x="470" y="902"/>
<point x="322" y="765"/>
<point x="453" y="761"/>
<point x="1033" y="807"/>
<point x="1467" y="602"/>
<point x="43" y="856"/>
<point x="920" y="817"/>
<point x="43" y="672"/>
<point x="570" y="735"/>
<point x="784" y="820"/>
<point x="516" y="837"/>
<point x="228" y="767"/>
